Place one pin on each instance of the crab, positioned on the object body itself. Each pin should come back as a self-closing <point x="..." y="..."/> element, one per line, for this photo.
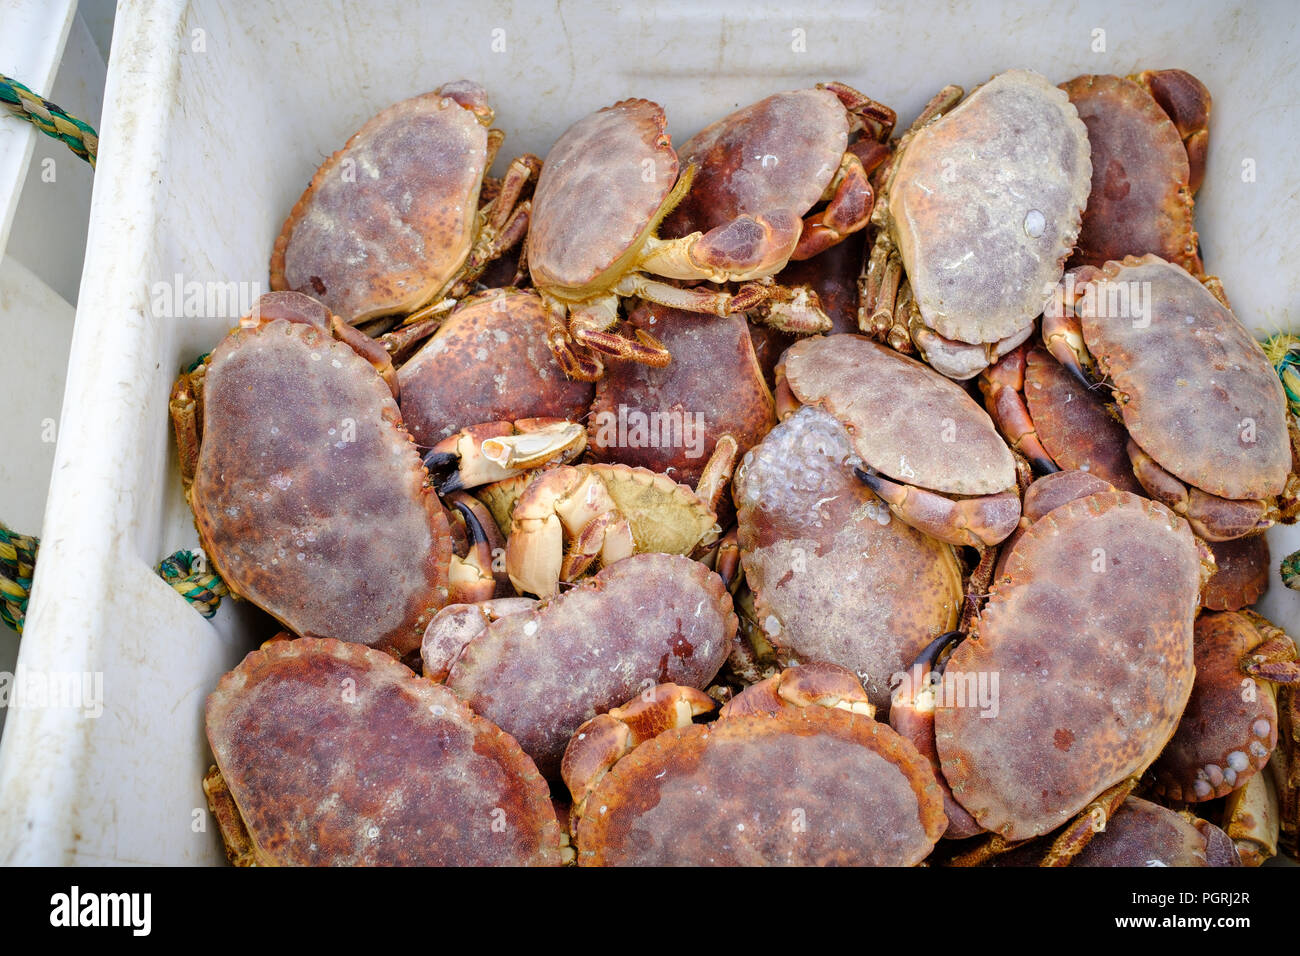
<point x="669" y="419"/>
<point x="391" y="224"/>
<point x="794" y="785"/>
<point x="1241" y="573"/>
<point x="1115" y="578"/>
<point x="608" y="512"/>
<point x="980" y="209"/>
<point x="487" y="362"/>
<point x="926" y="448"/>
<point x="1251" y="819"/>
<point x="652" y="618"/>
<point x="833" y="575"/>
<point x="606" y="185"/>
<point x="1205" y="413"/>
<point x="1054" y="421"/>
<point x="1148" y="135"/>
<point x="309" y="498"/>
<point x="329" y="753"/>
<point x="1230" y="726"/>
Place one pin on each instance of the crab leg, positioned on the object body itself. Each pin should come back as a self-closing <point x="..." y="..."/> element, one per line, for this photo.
<point x="979" y="522"/>
<point x="848" y="211"/>
<point x="1275" y="659"/>
<point x="498" y="450"/>
<point x="1091" y="821"/>
<point x="1003" y="385"/>
<point x="717" y="471"/>
<point x="470" y="578"/>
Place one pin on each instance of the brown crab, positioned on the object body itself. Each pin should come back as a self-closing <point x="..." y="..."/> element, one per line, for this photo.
<point x="1149" y="136"/>
<point x="309" y="497"/>
<point x="833" y="575"/>
<point x="1230" y="725"/>
<point x="1241" y="570"/>
<point x="980" y="210"/>
<point x="1075" y="720"/>
<point x="788" y="785"/>
<point x="926" y="447"/>
<point x="392" y="222"/>
<point x="1205" y="412"/>
<point x="542" y="672"/>
<point x="329" y="753"/>
<point x="606" y="185"/>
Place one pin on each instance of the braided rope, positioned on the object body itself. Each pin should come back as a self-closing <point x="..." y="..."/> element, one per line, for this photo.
<point x="1290" y="570"/>
<point x="51" y="120"/>
<point x="187" y="572"/>
<point x="1283" y="350"/>
<point x="17" y="561"/>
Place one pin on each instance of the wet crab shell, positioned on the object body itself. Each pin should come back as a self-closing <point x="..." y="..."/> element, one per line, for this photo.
<point x="901" y="415"/>
<point x="1073" y="424"/>
<point x="986" y="205"/>
<point x="1189" y="379"/>
<point x="390" y="218"/>
<point x="650" y="618"/>
<point x="1141" y="833"/>
<point x="1230" y="725"/>
<point x="337" y="754"/>
<point x="1241" y="571"/>
<point x="811" y="787"/>
<point x="779" y="153"/>
<point x="686" y="394"/>
<point x="1089" y="632"/>
<point x="599" y="195"/>
<point x="835" y="576"/>
<point x="309" y="496"/>
<point x="488" y="362"/>
<point x="1141" y="197"/>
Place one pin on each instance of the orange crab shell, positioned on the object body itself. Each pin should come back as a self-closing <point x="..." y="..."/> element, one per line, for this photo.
<point x="335" y="753"/>
<point x="308" y="496"/>
<point x="814" y="786"/>
<point x="1241" y="571"/>
<point x="1089" y="632"/>
<point x="389" y="219"/>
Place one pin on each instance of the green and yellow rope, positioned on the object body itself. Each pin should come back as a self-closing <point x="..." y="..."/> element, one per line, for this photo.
<point x="50" y="119"/>
<point x="203" y="589"/>
<point x="17" y="562"/>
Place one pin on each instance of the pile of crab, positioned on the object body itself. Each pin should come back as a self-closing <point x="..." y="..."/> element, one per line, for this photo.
<point x="804" y="494"/>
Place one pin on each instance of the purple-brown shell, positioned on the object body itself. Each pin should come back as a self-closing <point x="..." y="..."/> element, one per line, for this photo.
<point x="778" y="153"/>
<point x="1141" y="198"/>
<point x="1196" y="391"/>
<point x="1073" y="424"/>
<point x="389" y="218"/>
<point x="600" y="192"/>
<point x="1241" y="570"/>
<point x="1230" y="725"/>
<point x="488" y="362"/>
<point x="1089" y="636"/>
<point x="835" y="576"/>
<point x="833" y="275"/>
<point x="337" y="754"/>
<point x="809" y="787"/>
<point x="309" y="497"/>
<point x="985" y="205"/>
<point x="651" y="618"/>
<point x="906" y="420"/>
<point x="669" y="419"/>
<point x="1141" y="833"/>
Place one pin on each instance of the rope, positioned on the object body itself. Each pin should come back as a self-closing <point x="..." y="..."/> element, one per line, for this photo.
<point x="188" y="574"/>
<point x="1283" y="350"/>
<point x="51" y="120"/>
<point x="17" y="561"/>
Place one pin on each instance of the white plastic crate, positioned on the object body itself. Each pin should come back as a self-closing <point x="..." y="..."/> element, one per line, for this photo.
<point x="217" y="115"/>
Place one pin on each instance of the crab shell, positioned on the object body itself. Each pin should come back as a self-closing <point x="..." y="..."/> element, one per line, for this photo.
<point x="599" y="197"/>
<point x="1073" y="424"/>
<point x="309" y="497"/>
<point x="985" y="206"/>
<point x="1241" y="571"/>
<point x="390" y="218"/>
<point x="1188" y="379"/>
<point x="834" y="575"/>
<point x="804" y="131"/>
<point x="687" y="394"/>
<point x="815" y="786"/>
<point x="833" y="275"/>
<point x="1141" y="199"/>
<point x="650" y="618"/>
<point x="901" y="414"/>
<point x="1230" y="725"/>
<point x="335" y="753"/>
<point x="1141" y="833"/>
<point x="1089" y="631"/>
<point x="488" y="362"/>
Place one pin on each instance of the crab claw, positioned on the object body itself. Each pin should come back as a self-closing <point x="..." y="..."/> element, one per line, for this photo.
<point x="470" y="578"/>
<point x="482" y="454"/>
<point x="978" y="522"/>
<point x="1003" y="387"/>
<point x="818" y="684"/>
